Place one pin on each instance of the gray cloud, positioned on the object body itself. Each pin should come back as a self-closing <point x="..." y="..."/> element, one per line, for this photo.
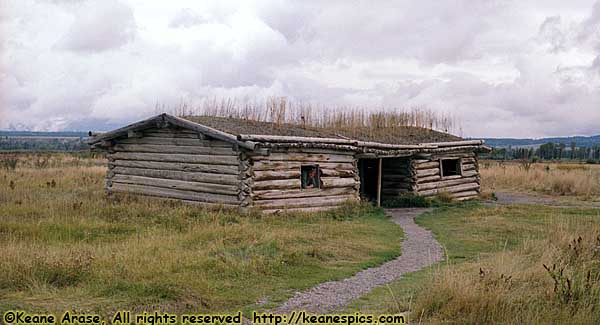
<point x="504" y="68"/>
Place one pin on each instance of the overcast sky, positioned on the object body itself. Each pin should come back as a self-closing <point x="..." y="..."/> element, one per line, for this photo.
<point x="503" y="68"/>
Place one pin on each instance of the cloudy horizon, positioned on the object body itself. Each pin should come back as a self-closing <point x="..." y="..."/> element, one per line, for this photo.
<point x="501" y="68"/>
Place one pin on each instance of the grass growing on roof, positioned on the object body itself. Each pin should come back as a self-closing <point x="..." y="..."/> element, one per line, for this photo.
<point x="64" y="246"/>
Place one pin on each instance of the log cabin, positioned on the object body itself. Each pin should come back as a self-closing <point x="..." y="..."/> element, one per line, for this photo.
<point x="244" y="164"/>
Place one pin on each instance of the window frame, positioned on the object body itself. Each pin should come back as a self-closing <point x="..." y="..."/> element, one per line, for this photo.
<point x="459" y="169"/>
<point x="318" y="177"/>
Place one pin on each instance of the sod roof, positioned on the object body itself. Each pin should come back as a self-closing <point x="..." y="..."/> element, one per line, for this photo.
<point x="390" y="135"/>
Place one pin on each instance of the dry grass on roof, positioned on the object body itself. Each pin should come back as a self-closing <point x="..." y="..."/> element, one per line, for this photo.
<point x="383" y="134"/>
<point x="279" y="116"/>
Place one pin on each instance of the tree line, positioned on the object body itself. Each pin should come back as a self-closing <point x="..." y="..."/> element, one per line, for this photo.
<point x="548" y="151"/>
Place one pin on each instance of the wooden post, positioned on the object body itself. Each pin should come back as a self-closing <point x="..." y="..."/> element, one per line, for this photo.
<point x="379" y="184"/>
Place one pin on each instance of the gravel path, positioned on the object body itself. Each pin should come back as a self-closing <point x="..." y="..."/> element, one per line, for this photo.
<point x="419" y="249"/>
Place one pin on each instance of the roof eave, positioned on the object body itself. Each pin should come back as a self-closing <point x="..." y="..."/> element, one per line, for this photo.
<point x="164" y="119"/>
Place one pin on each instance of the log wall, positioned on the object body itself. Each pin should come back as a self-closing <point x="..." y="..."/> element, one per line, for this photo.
<point x="176" y="164"/>
<point x="397" y="177"/>
<point x="429" y="181"/>
<point x="274" y="181"/>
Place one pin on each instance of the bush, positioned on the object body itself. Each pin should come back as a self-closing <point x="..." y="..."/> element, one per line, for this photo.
<point x="9" y="163"/>
<point x="407" y="200"/>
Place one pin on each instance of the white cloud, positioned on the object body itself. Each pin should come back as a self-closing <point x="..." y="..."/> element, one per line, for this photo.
<point x="505" y="68"/>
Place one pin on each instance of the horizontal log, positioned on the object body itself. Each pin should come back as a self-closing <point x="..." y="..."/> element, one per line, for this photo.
<point x="181" y="158"/>
<point x="304" y="202"/>
<point x="311" y="150"/>
<point x="296" y="173"/>
<point x="306" y="209"/>
<point x="396" y="192"/>
<point x="428" y="172"/>
<point x="384" y="146"/>
<point x="179" y="175"/>
<point x="174" y="194"/>
<point x="328" y="182"/>
<point x="332" y="172"/>
<point x="428" y="165"/>
<point x="470" y="173"/>
<point x="149" y="148"/>
<point x="465" y="194"/>
<point x="207" y="188"/>
<point x="466" y="167"/>
<point x="184" y="167"/>
<point x="445" y="183"/>
<point x="469" y="160"/>
<point x="308" y="158"/>
<point x="298" y="193"/>
<point x="427" y="179"/>
<point x="291" y="139"/>
<point x="457" y="143"/>
<point x="453" y="155"/>
<point x="277" y="174"/>
<point x="176" y="142"/>
<point x="450" y="189"/>
<point x="280" y="165"/>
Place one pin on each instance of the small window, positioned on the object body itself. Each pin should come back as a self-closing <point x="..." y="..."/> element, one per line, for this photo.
<point x="311" y="176"/>
<point x="450" y="167"/>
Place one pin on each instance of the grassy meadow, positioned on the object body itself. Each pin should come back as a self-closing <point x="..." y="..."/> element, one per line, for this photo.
<point x="66" y="246"/>
<point x="581" y="181"/>
<point x="496" y="268"/>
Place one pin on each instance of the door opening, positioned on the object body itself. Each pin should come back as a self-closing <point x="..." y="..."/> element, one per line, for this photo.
<point x="368" y="170"/>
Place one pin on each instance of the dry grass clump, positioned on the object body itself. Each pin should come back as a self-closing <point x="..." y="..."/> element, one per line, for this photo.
<point x="554" y="280"/>
<point x="66" y="246"/>
<point x="555" y="179"/>
<point x="281" y="110"/>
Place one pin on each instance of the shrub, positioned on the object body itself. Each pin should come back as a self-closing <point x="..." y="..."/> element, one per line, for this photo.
<point x="407" y="200"/>
<point x="444" y="197"/>
<point x="9" y="163"/>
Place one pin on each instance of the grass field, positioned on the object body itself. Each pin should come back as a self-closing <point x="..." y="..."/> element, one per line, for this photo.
<point x="495" y="269"/>
<point x="65" y="246"/>
<point x="581" y="181"/>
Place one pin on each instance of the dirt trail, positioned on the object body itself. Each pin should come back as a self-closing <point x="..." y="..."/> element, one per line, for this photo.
<point x="419" y="249"/>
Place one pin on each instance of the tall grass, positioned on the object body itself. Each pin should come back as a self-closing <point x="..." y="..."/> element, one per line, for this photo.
<point x="281" y="110"/>
<point x="554" y="179"/>
<point x="64" y="245"/>
<point x="550" y="280"/>
<point x="504" y="265"/>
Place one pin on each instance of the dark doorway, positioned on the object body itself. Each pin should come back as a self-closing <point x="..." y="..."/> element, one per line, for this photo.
<point x="368" y="172"/>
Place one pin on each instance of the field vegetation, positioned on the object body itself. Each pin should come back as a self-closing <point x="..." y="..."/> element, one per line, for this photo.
<point x="557" y="179"/>
<point x="66" y="246"/>
<point x="507" y="265"/>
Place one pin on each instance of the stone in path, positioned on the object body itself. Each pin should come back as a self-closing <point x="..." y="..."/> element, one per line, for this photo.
<point x="419" y="249"/>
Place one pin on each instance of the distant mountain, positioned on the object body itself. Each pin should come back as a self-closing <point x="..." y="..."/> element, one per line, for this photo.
<point x="581" y="141"/>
